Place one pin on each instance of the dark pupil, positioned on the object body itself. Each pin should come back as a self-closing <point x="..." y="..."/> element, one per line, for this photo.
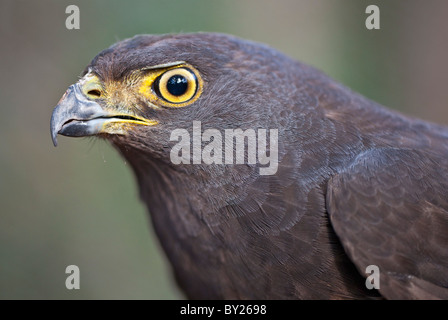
<point x="177" y="85"/>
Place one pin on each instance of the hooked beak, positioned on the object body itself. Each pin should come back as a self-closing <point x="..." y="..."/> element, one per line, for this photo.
<point x="77" y="116"/>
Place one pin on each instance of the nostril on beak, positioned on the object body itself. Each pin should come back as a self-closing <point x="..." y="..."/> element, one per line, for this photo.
<point x="92" y="89"/>
<point x="94" y="93"/>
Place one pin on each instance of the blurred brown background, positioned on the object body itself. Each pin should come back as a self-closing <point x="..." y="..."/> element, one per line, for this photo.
<point x="78" y="203"/>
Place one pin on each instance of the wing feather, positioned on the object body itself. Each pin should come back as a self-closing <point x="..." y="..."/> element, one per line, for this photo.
<point x="390" y="208"/>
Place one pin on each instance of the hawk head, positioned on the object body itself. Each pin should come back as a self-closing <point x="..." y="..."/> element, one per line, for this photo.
<point x="138" y="91"/>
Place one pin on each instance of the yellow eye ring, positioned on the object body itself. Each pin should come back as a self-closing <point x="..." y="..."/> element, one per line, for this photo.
<point x="176" y="86"/>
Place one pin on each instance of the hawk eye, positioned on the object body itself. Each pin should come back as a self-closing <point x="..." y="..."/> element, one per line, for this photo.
<point x="176" y="85"/>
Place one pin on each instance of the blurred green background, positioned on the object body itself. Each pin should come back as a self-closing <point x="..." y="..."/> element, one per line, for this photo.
<point x="78" y="203"/>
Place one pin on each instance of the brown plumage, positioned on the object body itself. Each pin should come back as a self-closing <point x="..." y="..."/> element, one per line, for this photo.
<point x="356" y="184"/>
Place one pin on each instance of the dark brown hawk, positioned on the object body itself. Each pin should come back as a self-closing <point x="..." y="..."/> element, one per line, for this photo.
<point x="356" y="185"/>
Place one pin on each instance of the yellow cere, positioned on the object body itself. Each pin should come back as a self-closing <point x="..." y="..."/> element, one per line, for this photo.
<point x="119" y="102"/>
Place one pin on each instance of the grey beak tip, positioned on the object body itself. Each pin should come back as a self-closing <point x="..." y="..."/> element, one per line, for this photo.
<point x="75" y="106"/>
<point x="53" y="129"/>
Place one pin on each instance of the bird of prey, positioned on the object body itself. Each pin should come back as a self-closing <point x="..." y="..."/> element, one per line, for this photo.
<point x="355" y="185"/>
